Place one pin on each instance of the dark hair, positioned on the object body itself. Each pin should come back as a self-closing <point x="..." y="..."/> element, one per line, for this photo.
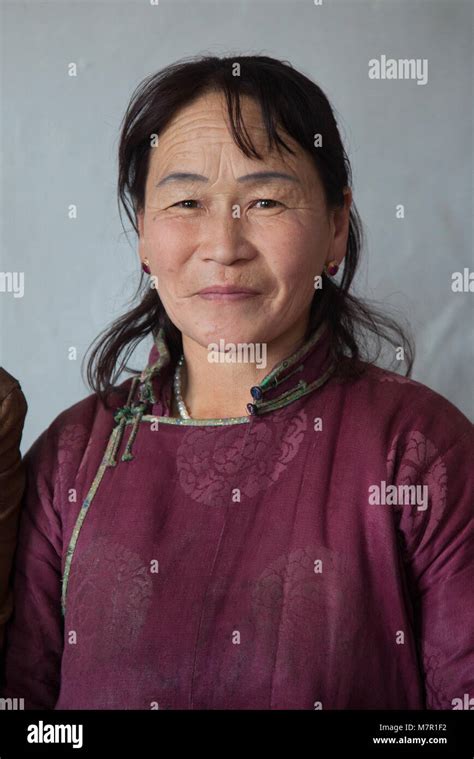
<point x="287" y="99"/>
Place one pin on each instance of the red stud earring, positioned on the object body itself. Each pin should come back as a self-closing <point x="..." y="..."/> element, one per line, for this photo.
<point x="331" y="268"/>
<point x="146" y="267"/>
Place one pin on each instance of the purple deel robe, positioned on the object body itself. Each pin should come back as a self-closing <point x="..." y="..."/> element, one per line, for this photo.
<point x="271" y="562"/>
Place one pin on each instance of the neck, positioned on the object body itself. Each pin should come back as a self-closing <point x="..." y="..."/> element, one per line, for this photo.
<point x="222" y="390"/>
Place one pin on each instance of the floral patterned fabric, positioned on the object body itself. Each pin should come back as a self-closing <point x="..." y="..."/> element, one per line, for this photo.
<point x="317" y="556"/>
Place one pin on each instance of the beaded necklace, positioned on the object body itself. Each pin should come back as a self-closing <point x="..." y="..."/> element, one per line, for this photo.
<point x="177" y="381"/>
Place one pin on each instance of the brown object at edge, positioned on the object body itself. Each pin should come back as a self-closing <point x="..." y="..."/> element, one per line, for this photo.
<point x="13" y="408"/>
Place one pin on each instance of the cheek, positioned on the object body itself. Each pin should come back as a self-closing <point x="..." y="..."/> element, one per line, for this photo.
<point x="294" y="250"/>
<point x="299" y="228"/>
<point x="168" y="245"/>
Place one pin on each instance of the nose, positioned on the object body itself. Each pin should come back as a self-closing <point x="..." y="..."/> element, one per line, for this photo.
<point x="223" y="238"/>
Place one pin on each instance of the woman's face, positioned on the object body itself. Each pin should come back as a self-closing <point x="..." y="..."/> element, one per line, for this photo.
<point x="230" y="225"/>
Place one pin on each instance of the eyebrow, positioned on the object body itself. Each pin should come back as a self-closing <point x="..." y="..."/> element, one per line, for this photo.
<point x="258" y="176"/>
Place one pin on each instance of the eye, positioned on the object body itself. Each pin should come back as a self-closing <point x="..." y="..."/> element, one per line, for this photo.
<point x="267" y="200"/>
<point x="180" y="204"/>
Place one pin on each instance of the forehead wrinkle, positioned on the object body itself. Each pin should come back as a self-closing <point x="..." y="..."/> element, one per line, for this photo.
<point x="191" y="141"/>
<point x="184" y="162"/>
<point x="255" y="178"/>
<point x="208" y="107"/>
<point x="178" y="131"/>
<point x="185" y="148"/>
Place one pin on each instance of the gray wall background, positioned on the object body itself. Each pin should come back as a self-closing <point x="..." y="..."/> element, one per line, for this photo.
<point x="408" y="143"/>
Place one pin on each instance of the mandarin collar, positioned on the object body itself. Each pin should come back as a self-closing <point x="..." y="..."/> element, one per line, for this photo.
<point x="299" y="373"/>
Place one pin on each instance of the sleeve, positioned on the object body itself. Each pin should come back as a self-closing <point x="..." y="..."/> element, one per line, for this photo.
<point x="34" y="635"/>
<point x="437" y="538"/>
<point x="13" y="408"/>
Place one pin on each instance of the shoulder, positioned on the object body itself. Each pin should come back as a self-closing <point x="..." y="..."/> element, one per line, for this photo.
<point x="7" y="383"/>
<point x="400" y="408"/>
<point x="416" y="430"/>
<point x="427" y="444"/>
<point x="67" y="437"/>
<point x="13" y="408"/>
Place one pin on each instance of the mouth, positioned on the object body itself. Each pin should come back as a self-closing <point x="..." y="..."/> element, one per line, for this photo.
<point x="227" y="292"/>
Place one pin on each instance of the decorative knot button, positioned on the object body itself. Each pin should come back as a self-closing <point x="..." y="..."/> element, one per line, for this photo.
<point x="256" y="393"/>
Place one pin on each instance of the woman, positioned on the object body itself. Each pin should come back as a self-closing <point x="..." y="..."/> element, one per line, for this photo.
<point x="272" y="523"/>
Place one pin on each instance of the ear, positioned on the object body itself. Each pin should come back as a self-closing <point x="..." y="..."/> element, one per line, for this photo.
<point x="340" y="229"/>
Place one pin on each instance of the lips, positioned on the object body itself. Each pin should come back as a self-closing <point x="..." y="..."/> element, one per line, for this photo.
<point x="227" y="290"/>
<point x="227" y="293"/>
